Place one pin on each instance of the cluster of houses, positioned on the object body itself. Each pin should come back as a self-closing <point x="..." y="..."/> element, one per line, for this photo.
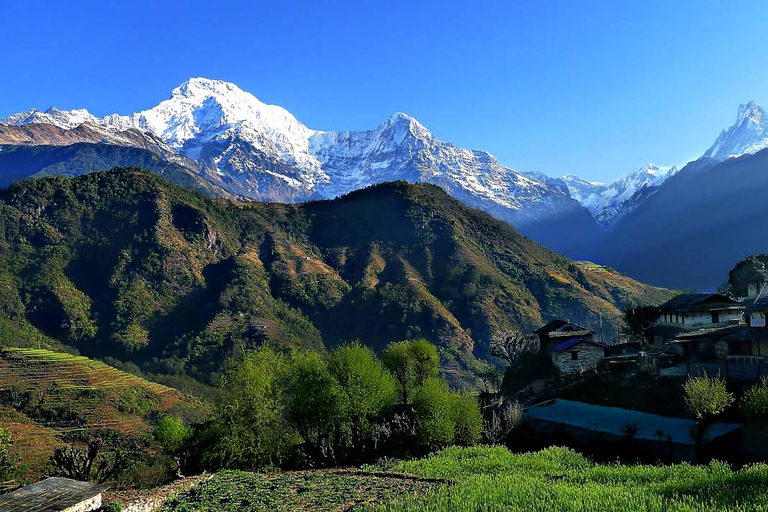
<point x="690" y="325"/>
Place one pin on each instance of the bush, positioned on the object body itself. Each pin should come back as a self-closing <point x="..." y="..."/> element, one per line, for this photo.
<point x="467" y="418"/>
<point x="754" y="403"/>
<point x="7" y="460"/>
<point x="706" y="396"/>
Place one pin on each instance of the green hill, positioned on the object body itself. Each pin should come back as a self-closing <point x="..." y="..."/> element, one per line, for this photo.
<point x="124" y="264"/>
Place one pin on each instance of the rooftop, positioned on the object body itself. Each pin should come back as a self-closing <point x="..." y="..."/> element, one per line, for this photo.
<point x="611" y="420"/>
<point x="50" y="495"/>
<point x="686" y="302"/>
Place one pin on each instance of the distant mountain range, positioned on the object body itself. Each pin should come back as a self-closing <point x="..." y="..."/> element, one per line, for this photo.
<point x="214" y="137"/>
<point x="258" y="151"/>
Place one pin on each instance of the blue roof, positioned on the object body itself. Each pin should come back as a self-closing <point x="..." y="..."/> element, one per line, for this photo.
<point x="564" y="345"/>
<point x="611" y="420"/>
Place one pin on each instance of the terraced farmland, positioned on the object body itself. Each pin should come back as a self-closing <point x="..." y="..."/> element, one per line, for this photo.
<point x="48" y="398"/>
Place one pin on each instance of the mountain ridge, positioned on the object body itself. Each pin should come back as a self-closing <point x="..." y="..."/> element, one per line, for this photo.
<point x="124" y="264"/>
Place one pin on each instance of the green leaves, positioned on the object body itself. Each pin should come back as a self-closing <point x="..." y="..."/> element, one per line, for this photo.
<point x="706" y="396"/>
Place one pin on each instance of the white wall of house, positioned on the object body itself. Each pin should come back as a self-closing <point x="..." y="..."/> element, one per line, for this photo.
<point x="700" y="318"/>
<point x="757" y="318"/>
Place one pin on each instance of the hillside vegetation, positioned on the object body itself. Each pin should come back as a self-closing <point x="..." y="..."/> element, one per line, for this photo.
<point x="124" y="264"/>
<point x="48" y="399"/>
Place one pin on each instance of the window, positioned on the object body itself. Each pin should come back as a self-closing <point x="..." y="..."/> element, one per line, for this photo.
<point x="575" y="355"/>
<point x="715" y="317"/>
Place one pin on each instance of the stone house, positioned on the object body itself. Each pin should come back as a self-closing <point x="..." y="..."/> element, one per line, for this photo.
<point x="570" y="346"/>
<point x="576" y="355"/>
<point x="54" y="495"/>
<point x="697" y="325"/>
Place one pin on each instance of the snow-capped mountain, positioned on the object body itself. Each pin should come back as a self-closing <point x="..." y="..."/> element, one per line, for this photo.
<point x="749" y="134"/>
<point x="609" y="202"/>
<point x="263" y="152"/>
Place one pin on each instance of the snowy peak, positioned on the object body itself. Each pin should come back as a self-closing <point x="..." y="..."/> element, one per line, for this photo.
<point x="749" y="134"/>
<point x="66" y="119"/>
<point x="609" y="202"/>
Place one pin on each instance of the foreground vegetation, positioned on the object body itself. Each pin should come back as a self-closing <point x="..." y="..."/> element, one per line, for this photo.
<point x="490" y="479"/>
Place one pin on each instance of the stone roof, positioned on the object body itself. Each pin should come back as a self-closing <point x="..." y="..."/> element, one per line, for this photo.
<point x="687" y="302"/>
<point x="50" y="495"/>
<point x="563" y="328"/>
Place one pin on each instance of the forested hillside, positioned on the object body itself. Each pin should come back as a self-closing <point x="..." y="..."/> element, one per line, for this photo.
<point x="123" y="264"/>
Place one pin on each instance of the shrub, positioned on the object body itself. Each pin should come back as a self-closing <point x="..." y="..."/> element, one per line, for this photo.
<point x="706" y="396"/>
<point x="754" y="403"/>
<point x="467" y="418"/>
<point x="7" y="460"/>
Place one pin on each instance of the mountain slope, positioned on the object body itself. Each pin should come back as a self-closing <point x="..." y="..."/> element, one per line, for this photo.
<point x="263" y="152"/>
<point x="697" y="226"/>
<point x="124" y="264"/>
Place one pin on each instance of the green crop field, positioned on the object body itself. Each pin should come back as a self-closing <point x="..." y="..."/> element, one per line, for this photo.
<point x="489" y="479"/>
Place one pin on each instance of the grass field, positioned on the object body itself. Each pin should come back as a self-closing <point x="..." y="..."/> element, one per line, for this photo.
<point x="50" y="398"/>
<point x="495" y="479"/>
<point x="489" y="480"/>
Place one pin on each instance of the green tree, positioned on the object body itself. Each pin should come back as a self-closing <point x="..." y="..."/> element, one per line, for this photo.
<point x="398" y="360"/>
<point x="433" y="405"/>
<point x="249" y="429"/>
<point x="174" y="437"/>
<point x="317" y="405"/>
<point x="426" y="362"/>
<point x="369" y="387"/>
<point x="411" y="363"/>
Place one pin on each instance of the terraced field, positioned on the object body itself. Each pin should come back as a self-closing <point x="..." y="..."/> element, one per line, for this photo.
<point x="49" y="398"/>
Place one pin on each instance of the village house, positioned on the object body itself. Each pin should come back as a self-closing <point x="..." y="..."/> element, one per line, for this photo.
<point x="697" y="325"/>
<point x="570" y="346"/>
<point x="54" y="495"/>
<point x="752" y="340"/>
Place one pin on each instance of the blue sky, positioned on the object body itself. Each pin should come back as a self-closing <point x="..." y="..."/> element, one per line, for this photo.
<point x="595" y="88"/>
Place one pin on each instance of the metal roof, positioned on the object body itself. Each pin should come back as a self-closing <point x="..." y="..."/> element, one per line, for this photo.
<point x="686" y="302"/>
<point x="50" y="495"/>
<point x="570" y="342"/>
<point x="612" y="420"/>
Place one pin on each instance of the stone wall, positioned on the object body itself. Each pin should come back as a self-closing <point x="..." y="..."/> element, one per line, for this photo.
<point x="86" y="506"/>
<point x="589" y="356"/>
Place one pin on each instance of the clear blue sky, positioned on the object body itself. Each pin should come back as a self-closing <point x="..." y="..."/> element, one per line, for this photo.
<point x="595" y="88"/>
